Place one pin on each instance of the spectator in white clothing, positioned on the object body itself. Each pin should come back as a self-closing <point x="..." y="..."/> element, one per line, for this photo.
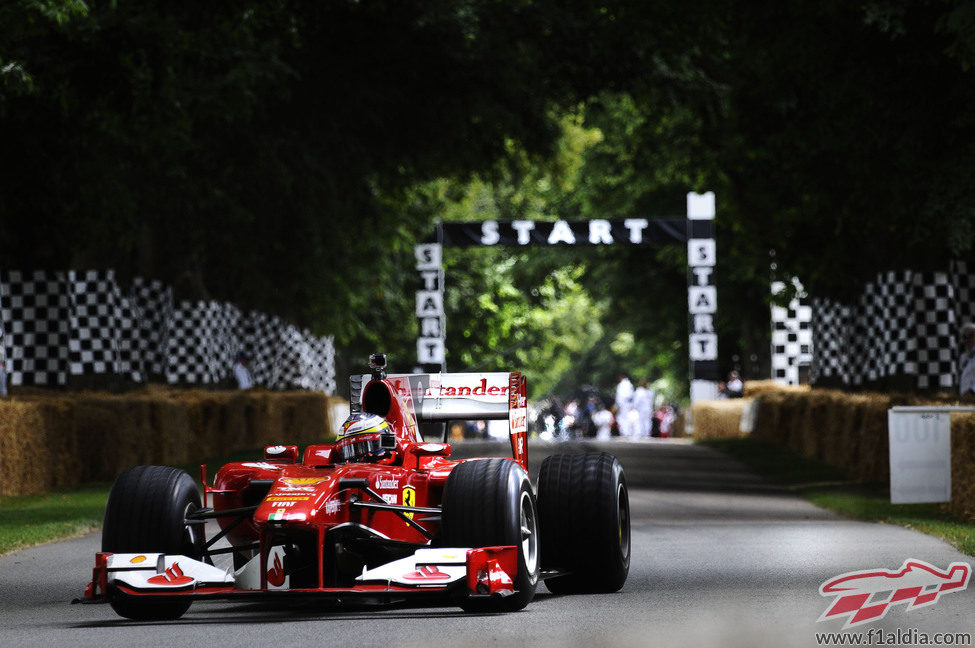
<point x="624" y="403"/>
<point x="602" y="418"/>
<point x="242" y="372"/>
<point x="643" y="404"/>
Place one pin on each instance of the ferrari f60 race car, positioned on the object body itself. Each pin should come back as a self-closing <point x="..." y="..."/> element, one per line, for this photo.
<point x="380" y="515"/>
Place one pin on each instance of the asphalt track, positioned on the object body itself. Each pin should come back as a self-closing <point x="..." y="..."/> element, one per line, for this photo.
<point x="720" y="558"/>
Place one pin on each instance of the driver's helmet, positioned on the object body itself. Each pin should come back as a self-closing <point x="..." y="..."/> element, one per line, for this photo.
<point x="361" y="435"/>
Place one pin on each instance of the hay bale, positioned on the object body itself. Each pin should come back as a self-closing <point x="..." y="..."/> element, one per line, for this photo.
<point x="52" y="440"/>
<point x="849" y="431"/>
<point x="813" y="418"/>
<point x="794" y="412"/>
<point x="24" y="459"/>
<point x="841" y="444"/>
<point x="717" y="419"/>
<point x="873" y="464"/>
<point x="755" y="387"/>
<point x="962" y="501"/>
<point x="768" y="417"/>
<point x="845" y="430"/>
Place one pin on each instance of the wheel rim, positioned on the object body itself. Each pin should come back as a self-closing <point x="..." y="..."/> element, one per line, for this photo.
<point x="623" y="515"/>
<point x="529" y="533"/>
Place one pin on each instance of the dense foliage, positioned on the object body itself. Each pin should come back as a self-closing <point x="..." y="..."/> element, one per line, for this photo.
<point x="287" y="154"/>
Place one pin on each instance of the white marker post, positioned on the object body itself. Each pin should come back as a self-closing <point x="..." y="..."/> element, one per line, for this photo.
<point x="430" y="348"/>
<point x="920" y="453"/>
<point x="702" y="296"/>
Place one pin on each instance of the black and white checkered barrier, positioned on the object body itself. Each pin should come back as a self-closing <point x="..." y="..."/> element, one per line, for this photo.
<point x="904" y="323"/>
<point x="36" y="315"/>
<point x="791" y="336"/>
<point x="59" y="324"/>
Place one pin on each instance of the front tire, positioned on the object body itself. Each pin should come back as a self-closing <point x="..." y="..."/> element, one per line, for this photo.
<point x="584" y="515"/>
<point x="490" y="502"/>
<point x="146" y="513"/>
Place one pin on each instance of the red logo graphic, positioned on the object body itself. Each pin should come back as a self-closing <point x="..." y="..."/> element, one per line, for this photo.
<point x="916" y="583"/>
<point x="173" y="576"/>
<point x="275" y="575"/>
<point x="427" y="573"/>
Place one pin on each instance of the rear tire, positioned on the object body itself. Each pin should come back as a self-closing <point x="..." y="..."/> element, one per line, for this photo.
<point x="584" y="517"/>
<point x="146" y="513"/>
<point x="490" y="502"/>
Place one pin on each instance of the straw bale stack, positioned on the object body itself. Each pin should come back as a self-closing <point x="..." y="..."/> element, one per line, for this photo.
<point x="845" y="430"/>
<point x="57" y="440"/>
<point x="849" y="431"/>
<point x="717" y="419"/>
<point x="963" y="466"/>
<point x="769" y="405"/>
<point x="756" y="387"/>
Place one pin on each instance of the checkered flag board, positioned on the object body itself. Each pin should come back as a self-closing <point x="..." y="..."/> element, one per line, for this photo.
<point x="260" y="336"/>
<point x="904" y="323"/>
<point x="130" y="360"/>
<point x="319" y="367"/>
<point x="290" y="359"/>
<point x="35" y="308"/>
<point x="283" y="357"/>
<point x="896" y="303"/>
<point x="936" y="331"/>
<point x="883" y="341"/>
<point x="308" y="362"/>
<point x="152" y="303"/>
<point x="867" y="339"/>
<point x="59" y="324"/>
<point x="202" y="342"/>
<point x="103" y="326"/>
<point x="792" y="336"/>
<point x="832" y="331"/>
<point x="963" y="282"/>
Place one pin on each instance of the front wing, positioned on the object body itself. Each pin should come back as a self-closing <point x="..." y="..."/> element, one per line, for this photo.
<point x="431" y="573"/>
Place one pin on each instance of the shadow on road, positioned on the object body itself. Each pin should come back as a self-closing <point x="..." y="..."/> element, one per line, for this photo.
<point x="659" y="465"/>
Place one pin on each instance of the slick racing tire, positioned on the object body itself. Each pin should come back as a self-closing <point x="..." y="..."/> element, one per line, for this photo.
<point x="489" y="503"/>
<point x="146" y="513"/>
<point x="584" y="518"/>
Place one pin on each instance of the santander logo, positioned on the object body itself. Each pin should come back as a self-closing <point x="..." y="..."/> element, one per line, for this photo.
<point x="172" y="576"/>
<point x="275" y="575"/>
<point x="480" y="389"/>
<point x="865" y="596"/>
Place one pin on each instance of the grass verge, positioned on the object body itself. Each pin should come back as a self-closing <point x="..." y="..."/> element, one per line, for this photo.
<point x="28" y="520"/>
<point x="829" y="488"/>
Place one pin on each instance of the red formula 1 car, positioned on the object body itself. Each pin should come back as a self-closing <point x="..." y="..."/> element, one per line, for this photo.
<point x="379" y="515"/>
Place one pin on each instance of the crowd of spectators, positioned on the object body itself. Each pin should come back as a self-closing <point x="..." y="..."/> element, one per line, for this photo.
<point x="631" y="412"/>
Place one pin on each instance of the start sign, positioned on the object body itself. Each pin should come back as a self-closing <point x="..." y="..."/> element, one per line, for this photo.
<point x="696" y="230"/>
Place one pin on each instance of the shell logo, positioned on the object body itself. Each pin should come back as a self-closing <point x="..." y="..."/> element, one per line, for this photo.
<point x="137" y="560"/>
<point x="303" y="481"/>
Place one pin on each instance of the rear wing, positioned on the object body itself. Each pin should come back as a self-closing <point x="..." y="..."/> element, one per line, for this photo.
<point x="464" y="396"/>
